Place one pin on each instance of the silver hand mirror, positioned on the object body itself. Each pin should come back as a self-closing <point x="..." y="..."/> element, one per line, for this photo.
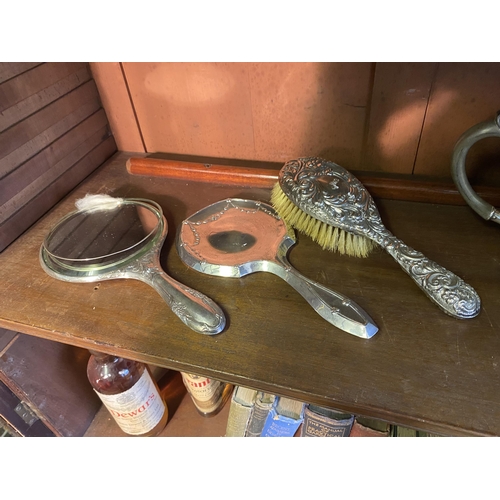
<point x="122" y="238"/>
<point x="235" y="237"/>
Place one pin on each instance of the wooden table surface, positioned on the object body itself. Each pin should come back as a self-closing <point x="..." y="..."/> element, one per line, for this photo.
<point x="423" y="369"/>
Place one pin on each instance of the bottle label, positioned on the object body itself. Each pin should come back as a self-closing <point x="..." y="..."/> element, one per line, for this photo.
<point x="137" y="410"/>
<point x="206" y="393"/>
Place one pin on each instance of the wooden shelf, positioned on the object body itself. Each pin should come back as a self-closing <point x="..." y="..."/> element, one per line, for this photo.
<point x="422" y="369"/>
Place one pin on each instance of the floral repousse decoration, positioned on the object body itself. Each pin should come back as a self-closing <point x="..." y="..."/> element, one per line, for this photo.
<point x="331" y="194"/>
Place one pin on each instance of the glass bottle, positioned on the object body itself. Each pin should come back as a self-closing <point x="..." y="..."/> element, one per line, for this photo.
<point x="129" y="393"/>
<point x="208" y="395"/>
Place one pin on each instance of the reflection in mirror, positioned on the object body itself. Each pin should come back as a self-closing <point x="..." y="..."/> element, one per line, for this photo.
<point x="98" y="234"/>
<point x="232" y="241"/>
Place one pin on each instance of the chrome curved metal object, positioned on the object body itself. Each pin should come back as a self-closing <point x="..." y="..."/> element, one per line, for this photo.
<point x="489" y="128"/>
<point x="236" y="237"/>
<point x="331" y="194"/>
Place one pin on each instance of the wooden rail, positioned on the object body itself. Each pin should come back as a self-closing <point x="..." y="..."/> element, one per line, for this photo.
<point x="265" y="175"/>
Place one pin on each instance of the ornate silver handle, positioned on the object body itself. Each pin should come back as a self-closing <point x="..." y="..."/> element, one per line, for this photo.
<point x="332" y="306"/>
<point x="490" y="128"/>
<point x="445" y="289"/>
<point x="193" y="308"/>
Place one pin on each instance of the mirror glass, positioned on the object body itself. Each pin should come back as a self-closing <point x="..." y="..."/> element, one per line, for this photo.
<point x="225" y="236"/>
<point x="98" y="235"/>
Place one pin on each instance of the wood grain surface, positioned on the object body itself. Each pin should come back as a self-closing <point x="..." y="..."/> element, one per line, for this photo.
<point x="423" y="369"/>
<point x="398" y="106"/>
<point x="10" y="70"/>
<point x="116" y="100"/>
<point x="463" y="95"/>
<point x="33" y="90"/>
<point x="53" y="132"/>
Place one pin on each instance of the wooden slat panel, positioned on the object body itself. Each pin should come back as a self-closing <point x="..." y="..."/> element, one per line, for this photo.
<point x="10" y="70"/>
<point x="35" y="89"/>
<point x="35" y="208"/>
<point x="119" y="110"/>
<point x="35" y="175"/>
<point x="27" y="138"/>
<point x="399" y="101"/>
<point x="55" y="152"/>
<point x="52" y="378"/>
<point x="463" y="95"/>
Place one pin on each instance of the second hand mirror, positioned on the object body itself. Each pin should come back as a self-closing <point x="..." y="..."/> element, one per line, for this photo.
<point x="236" y="237"/>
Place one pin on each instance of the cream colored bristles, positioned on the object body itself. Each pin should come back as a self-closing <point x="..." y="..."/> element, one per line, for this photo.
<point x="328" y="237"/>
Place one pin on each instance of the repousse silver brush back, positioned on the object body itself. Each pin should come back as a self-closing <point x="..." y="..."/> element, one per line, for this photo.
<point x="331" y="194"/>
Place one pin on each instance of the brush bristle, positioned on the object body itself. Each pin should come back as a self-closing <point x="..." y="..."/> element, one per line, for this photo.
<point x="328" y="237"/>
